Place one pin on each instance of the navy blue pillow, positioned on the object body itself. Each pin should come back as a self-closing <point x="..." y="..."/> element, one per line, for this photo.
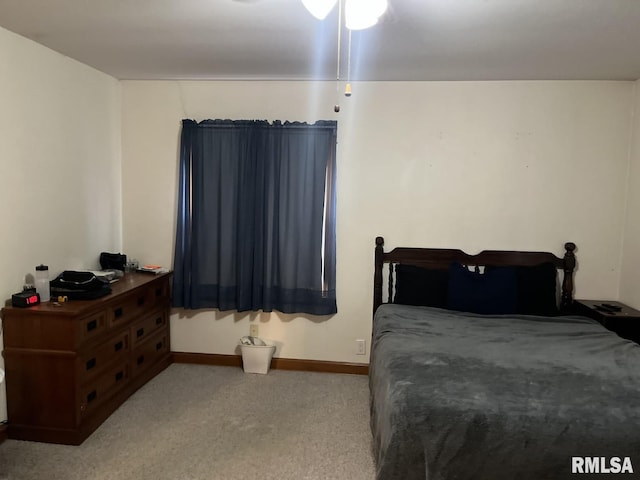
<point x="494" y="292"/>
<point x="538" y="290"/>
<point x="421" y="286"/>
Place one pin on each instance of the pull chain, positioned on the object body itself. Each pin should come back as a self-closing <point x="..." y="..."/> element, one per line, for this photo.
<point x="347" y="88"/>
<point x="336" y="107"/>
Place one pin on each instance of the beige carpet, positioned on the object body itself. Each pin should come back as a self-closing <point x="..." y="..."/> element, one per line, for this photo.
<point x="196" y="422"/>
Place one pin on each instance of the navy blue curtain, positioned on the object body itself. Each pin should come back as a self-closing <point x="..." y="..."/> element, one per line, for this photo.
<point x="256" y="217"/>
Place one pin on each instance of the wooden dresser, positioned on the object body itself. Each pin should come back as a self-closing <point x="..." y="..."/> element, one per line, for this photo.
<point x="69" y="367"/>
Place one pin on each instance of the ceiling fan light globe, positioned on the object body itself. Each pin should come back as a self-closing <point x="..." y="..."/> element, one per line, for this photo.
<point x="319" y="8"/>
<point x="361" y="14"/>
<point x="361" y="23"/>
<point x="377" y="7"/>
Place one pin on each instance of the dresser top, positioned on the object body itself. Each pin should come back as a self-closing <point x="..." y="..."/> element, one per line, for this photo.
<point x="129" y="282"/>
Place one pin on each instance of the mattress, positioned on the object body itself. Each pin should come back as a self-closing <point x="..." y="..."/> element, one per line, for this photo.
<point x="464" y="396"/>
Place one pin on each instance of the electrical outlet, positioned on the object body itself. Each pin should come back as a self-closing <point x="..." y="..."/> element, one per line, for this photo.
<point x="361" y="347"/>
<point x="253" y="330"/>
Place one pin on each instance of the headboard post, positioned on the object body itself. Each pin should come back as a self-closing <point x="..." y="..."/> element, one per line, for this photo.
<point x="377" y="276"/>
<point x="566" y="299"/>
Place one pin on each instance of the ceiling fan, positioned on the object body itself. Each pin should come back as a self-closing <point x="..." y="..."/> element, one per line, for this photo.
<point x="358" y="15"/>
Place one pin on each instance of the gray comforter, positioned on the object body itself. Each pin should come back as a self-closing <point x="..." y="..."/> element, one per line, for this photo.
<point x="458" y="396"/>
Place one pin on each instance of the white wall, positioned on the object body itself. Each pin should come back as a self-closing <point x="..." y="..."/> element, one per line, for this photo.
<point x="60" y="163"/>
<point x="630" y="278"/>
<point x="472" y="165"/>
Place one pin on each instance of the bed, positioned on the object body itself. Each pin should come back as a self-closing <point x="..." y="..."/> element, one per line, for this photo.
<point x="524" y="393"/>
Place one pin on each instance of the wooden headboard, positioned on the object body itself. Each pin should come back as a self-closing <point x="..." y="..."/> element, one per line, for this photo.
<point x="441" y="258"/>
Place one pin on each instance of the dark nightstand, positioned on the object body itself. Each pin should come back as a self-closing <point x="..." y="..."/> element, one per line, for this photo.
<point x="615" y="316"/>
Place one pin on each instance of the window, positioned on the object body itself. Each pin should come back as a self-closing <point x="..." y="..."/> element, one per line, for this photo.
<point x="256" y="217"/>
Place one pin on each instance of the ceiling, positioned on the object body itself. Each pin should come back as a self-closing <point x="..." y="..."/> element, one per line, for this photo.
<point x="280" y="40"/>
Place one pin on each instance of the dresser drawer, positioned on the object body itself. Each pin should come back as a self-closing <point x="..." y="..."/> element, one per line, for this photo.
<point x="103" y="387"/>
<point x="145" y="328"/>
<point x="128" y="308"/>
<point x="94" y="361"/>
<point x="159" y="292"/>
<point x="148" y="353"/>
<point x="91" y="326"/>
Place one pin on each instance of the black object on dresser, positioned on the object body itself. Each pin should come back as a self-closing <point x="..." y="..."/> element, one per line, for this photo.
<point x="615" y="316"/>
<point x="70" y="365"/>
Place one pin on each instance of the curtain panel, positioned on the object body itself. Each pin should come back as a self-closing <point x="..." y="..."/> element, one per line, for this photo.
<point x="256" y="217"/>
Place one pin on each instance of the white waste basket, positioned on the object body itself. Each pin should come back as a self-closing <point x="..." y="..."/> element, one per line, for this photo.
<point x="257" y="358"/>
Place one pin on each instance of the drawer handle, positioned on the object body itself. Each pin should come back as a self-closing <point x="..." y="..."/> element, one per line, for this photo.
<point x="158" y="345"/>
<point x="140" y="332"/>
<point x="140" y="360"/>
<point x="91" y="363"/>
<point x="92" y="325"/>
<point x="140" y="301"/>
<point x="118" y="312"/>
<point x="92" y="396"/>
<point x="119" y="376"/>
<point x="159" y="321"/>
<point x="118" y="346"/>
